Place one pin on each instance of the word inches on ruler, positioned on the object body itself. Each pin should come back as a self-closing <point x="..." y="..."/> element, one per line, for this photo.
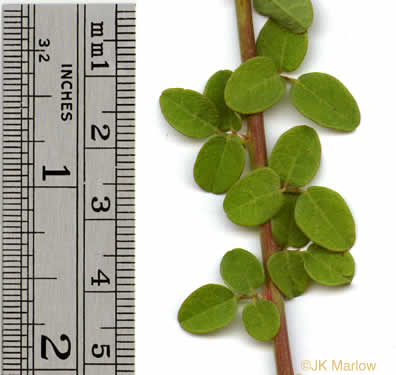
<point x="66" y="97"/>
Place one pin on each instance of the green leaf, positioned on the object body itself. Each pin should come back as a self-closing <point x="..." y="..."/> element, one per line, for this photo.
<point x="214" y="90"/>
<point x="254" y="86"/>
<point x="261" y="319"/>
<point x="329" y="268"/>
<point x="325" y="218"/>
<point x="284" y="228"/>
<point x="209" y="308"/>
<point x="255" y="198"/>
<point x="326" y="101"/>
<point x="189" y="112"/>
<point x="295" y="15"/>
<point x="296" y="156"/>
<point x="242" y="271"/>
<point x="219" y="163"/>
<point x="286" y="269"/>
<point x="284" y="47"/>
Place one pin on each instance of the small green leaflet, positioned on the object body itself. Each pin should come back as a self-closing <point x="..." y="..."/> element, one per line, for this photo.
<point x="284" y="47"/>
<point x="329" y="268"/>
<point x="261" y="319"/>
<point x="295" y="15"/>
<point x="286" y="269"/>
<point x="219" y="163"/>
<point x="254" y="86"/>
<point x="209" y="308"/>
<point x="189" y="112"/>
<point x="325" y="219"/>
<point x="326" y="101"/>
<point x="284" y="228"/>
<point x="242" y="271"/>
<point x="214" y="90"/>
<point x="296" y="156"/>
<point x="255" y="198"/>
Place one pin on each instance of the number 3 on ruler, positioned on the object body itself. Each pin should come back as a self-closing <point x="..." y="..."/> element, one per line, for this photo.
<point x="61" y="355"/>
<point x="100" y="206"/>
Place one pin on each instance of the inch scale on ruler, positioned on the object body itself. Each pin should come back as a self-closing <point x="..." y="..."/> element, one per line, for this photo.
<point x="68" y="248"/>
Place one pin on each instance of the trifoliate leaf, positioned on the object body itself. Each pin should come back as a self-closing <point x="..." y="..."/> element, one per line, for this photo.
<point x="207" y="309"/>
<point x="326" y="101"/>
<point x="284" y="228"/>
<point x="296" y="156"/>
<point x="261" y="319"/>
<point x="329" y="268"/>
<point x="189" y="112"/>
<point x="254" y="86"/>
<point x="242" y="271"/>
<point x="214" y="90"/>
<point x="219" y="163"/>
<point x="284" y="47"/>
<point x="255" y="198"/>
<point x="286" y="269"/>
<point x="325" y="219"/>
<point x="295" y="15"/>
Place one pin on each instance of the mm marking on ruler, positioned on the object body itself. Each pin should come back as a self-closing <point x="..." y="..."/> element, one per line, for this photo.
<point x="68" y="177"/>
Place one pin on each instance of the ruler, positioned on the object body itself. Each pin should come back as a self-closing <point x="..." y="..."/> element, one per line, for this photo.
<point x="68" y="245"/>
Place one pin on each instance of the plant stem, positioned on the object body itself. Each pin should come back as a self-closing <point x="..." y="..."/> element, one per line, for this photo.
<point x="258" y="157"/>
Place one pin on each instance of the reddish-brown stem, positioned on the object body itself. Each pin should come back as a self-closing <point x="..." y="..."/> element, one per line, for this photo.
<point x="258" y="157"/>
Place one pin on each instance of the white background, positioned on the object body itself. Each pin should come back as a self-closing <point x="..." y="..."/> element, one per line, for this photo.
<point x="183" y="232"/>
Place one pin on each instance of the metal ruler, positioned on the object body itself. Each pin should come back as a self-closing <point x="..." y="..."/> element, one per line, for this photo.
<point x="68" y="250"/>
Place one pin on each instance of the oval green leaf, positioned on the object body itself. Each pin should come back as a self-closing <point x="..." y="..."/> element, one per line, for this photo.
<point x="219" y="163"/>
<point x="242" y="271"/>
<point x="286" y="269"/>
<point x="296" y="156"/>
<point x="284" y="47"/>
<point x="254" y="86"/>
<point x="255" y="198"/>
<point x="329" y="268"/>
<point x="284" y="228"/>
<point x="294" y="15"/>
<point x="326" y="101"/>
<point x="214" y="90"/>
<point x="209" y="308"/>
<point x="189" y="112"/>
<point x="325" y="219"/>
<point x="261" y="319"/>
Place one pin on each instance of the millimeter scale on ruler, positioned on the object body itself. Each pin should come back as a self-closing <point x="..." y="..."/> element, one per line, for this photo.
<point x="68" y="248"/>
